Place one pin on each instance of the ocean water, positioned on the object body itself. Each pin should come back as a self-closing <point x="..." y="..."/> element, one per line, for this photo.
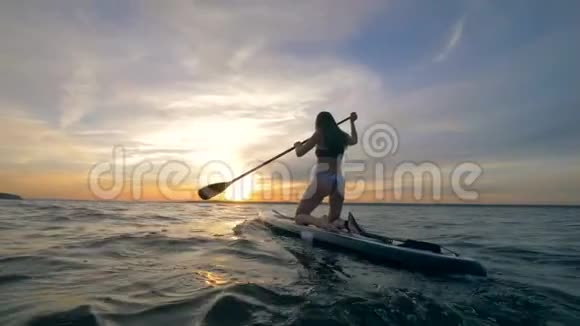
<point x="115" y="263"/>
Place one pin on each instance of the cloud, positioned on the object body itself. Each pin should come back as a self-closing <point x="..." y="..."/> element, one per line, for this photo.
<point x="92" y="133"/>
<point x="237" y="81"/>
<point x="188" y="61"/>
<point x="27" y="140"/>
<point x="453" y="41"/>
<point x="190" y="80"/>
<point x="269" y="22"/>
<point x="78" y="93"/>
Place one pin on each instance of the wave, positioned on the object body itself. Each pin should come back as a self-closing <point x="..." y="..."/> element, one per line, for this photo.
<point x="541" y="257"/>
<point x="39" y="263"/>
<point x="229" y="305"/>
<point x="104" y="260"/>
<point x="12" y="278"/>
<point x="60" y="218"/>
<point x="512" y="251"/>
<point x="239" y="253"/>
<point x="160" y="217"/>
<point x="49" y="208"/>
<point x="81" y="315"/>
<point x="86" y="212"/>
<point x="148" y="240"/>
<point x="254" y="304"/>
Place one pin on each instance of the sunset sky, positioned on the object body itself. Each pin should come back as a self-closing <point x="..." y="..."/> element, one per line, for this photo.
<point x="494" y="83"/>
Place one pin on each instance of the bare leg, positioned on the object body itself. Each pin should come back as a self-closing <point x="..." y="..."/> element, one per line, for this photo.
<point x="304" y="218"/>
<point x="305" y="207"/>
<point x="336" y="201"/>
<point x="311" y="200"/>
<point x="340" y="224"/>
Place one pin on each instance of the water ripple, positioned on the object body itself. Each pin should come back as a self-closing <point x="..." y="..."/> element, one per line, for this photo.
<point x="114" y="263"/>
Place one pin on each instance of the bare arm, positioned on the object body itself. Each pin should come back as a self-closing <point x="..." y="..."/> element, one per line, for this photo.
<point x="303" y="148"/>
<point x="353" y="139"/>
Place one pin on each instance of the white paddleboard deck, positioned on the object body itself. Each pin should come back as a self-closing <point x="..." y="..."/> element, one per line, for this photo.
<point x="387" y="252"/>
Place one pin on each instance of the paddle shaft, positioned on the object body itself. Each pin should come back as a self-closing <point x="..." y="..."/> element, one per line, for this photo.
<point x="276" y="157"/>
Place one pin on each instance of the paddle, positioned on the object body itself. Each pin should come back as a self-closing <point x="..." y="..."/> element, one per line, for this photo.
<point x="215" y="189"/>
<point x="408" y="243"/>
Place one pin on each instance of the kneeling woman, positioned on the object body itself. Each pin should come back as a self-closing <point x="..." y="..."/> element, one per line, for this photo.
<point x="330" y="143"/>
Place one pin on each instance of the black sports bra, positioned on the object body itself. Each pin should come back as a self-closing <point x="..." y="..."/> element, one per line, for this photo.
<point x="324" y="152"/>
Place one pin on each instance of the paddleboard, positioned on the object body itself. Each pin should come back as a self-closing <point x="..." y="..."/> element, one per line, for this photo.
<point x="404" y="253"/>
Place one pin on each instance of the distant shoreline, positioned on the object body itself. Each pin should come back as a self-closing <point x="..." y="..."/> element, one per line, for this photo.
<point x="9" y="196"/>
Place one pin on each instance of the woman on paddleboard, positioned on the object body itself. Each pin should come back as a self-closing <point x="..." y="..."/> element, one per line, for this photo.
<point x="330" y="143"/>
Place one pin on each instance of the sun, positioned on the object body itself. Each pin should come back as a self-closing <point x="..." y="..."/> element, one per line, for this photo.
<point x="238" y="192"/>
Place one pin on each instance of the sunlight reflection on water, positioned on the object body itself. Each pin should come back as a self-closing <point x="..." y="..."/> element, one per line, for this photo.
<point x="212" y="278"/>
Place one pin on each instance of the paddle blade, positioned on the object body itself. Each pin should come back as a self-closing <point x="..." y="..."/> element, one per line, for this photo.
<point x="212" y="190"/>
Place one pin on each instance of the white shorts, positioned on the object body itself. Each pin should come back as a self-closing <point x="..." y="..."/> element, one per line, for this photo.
<point x="326" y="183"/>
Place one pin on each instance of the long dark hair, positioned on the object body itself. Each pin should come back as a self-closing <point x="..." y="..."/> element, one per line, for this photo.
<point x="334" y="138"/>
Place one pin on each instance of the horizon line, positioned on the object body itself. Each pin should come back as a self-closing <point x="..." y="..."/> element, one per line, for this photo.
<point x="324" y="203"/>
